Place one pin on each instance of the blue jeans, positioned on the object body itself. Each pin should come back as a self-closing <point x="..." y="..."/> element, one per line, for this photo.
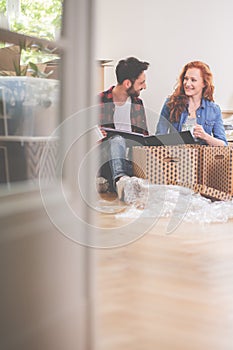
<point x="114" y="151"/>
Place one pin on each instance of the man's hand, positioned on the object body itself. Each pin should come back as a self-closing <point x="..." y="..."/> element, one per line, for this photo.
<point x="104" y="133"/>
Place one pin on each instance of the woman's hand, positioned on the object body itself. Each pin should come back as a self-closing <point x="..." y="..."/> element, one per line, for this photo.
<point x="199" y="132"/>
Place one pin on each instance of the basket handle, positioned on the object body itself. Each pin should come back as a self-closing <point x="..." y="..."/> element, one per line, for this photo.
<point x="219" y="156"/>
<point x="171" y="160"/>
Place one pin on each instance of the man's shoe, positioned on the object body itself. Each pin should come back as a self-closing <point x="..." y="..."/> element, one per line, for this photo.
<point x="102" y="185"/>
<point x="120" y="185"/>
<point x="132" y="190"/>
<point x="136" y="191"/>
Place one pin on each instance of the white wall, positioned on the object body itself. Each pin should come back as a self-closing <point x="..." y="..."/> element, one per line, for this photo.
<point x="168" y="34"/>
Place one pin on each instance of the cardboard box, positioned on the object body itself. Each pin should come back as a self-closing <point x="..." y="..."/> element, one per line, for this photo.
<point x="205" y="191"/>
<point x="206" y="170"/>
<point x="165" y="164"/>
<point x="218" y="168"/>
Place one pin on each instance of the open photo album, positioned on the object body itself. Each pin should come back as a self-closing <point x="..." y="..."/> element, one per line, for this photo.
<point x="178" y="138"/>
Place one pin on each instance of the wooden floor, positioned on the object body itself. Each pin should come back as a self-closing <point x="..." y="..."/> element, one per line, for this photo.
<point x="166" y="291"/>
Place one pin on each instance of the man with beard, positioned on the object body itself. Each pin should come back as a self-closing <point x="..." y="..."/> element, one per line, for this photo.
<point x="122" y="109"/>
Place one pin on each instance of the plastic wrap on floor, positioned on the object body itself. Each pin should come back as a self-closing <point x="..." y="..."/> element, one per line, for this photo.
<point x="168" y="200"/>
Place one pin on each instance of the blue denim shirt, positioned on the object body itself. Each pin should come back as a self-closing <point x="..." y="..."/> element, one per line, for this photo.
<point x="208" y="115"/>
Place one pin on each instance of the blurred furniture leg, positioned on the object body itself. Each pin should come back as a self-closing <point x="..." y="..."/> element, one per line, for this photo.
<point x="4" y="166"/>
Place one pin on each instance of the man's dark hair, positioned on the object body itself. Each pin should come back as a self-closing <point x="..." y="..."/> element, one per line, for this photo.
<point x="130" y="68"/>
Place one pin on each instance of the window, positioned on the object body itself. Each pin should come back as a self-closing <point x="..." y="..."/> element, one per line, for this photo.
<point x="29" y="89"/>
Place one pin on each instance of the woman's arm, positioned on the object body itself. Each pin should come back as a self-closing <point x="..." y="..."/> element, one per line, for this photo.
<point x="163" y="125"/>
<point x="219" y="130"/>
<point x="218" y="137"/>
<point x="200" y="133"/>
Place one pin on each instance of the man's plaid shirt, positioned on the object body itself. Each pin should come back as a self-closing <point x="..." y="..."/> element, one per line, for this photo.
<point x="137" y="113"/>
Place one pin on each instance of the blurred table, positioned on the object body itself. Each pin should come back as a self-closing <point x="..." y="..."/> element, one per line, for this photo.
<point x="20" y="156"/>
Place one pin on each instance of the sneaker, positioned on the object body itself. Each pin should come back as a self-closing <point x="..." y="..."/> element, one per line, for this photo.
<point x="120" y="185"/>
<point x="102" y="185"/>
<point x="136" y="191"/>
<point x="132" y="190"/>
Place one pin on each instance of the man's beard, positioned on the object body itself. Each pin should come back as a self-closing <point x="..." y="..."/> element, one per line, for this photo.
<point x="132" y="93"/>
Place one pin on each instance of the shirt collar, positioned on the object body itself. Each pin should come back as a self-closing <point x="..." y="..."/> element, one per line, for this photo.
<point x="203" y="103"/>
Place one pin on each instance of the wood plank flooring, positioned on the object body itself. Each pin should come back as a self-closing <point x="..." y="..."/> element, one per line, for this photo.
<point x="164" y="292"/>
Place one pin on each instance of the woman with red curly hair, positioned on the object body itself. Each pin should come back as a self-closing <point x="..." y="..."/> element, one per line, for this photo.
<point x="191" y="106"/>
